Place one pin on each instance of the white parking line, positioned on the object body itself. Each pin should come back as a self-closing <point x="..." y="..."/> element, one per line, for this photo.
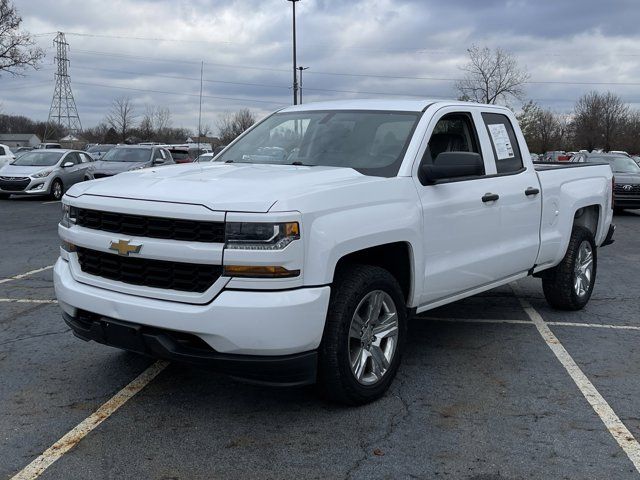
<point x="594" y="325"/>
<point x="22" y="275"/>
<point x="616" y="428"/>
<point x="71" y="439"/>
<point x="25" y="300"/>
<point x="52" y="201"/>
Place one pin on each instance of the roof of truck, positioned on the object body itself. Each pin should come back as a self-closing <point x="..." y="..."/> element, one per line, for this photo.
<point x="393" y="104"/>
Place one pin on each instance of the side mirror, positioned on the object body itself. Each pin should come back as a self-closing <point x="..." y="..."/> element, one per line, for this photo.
<point x="158" y="161"/>
<point x="67" y="164"/>
<point x="453" y="165"/>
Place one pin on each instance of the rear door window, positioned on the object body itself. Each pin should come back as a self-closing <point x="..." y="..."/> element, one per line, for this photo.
<point x="504" y="143"/>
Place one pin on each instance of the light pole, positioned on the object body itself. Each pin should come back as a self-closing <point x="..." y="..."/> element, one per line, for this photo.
<point x="301" y="69"/>
<point x="295" y="66"/>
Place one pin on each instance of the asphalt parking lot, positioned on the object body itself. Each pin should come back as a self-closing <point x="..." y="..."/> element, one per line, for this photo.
<point x="482" y="394"/>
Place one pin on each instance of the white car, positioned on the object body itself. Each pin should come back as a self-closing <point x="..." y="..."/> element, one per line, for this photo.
<point x="299" y="256"/>
<point x="6" y="155"/>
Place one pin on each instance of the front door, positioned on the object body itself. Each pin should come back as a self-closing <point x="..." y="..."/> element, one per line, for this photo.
<point x="461" y="225"/>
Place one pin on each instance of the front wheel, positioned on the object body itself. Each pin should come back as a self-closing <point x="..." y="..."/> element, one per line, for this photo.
<point x="57" y="190"/>
<point x="569" y="285"/>
<point x="364" y="335"/>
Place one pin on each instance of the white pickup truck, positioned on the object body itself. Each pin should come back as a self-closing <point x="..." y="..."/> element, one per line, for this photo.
<point x="299" y="254"/>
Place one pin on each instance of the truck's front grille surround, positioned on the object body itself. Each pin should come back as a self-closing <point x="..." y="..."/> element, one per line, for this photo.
<point x="151" y="227"/>
<point x="186" y="277"/>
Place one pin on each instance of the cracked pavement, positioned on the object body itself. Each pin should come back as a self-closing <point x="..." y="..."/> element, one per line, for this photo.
<point x="478" y="401"/>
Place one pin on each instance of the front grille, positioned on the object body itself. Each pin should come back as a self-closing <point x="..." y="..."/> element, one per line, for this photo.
<point x="14" y="184"/>
<point x="187" y="277"/>
<point x="151" y="227"/>
<point x="620" y="189"/>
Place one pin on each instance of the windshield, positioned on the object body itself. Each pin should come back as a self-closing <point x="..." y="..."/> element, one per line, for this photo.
<point x="127" y="155"/>
<point x="38" y="159"/>
<point x="620" y="164"/>
<point x="372" y="142"/>
<point x="100" y="148"/>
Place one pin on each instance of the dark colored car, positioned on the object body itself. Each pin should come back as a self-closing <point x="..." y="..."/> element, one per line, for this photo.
<point x="124" y="158"/>
<point x="626" y="173"/>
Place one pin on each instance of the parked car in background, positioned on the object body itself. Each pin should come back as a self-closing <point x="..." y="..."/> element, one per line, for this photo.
<point x="44" y="172"/>
<point x="6" y="155"/>
<point x="48" y="146"/>
<point x="98" y="150"/>
<point x="123" y="158"/>
<point x="626" y="174"/>
<point x="556" y="156"/>
<point x="182" y="154"/>
<point x="636" y="159"/>
<point x="23" y="149"/>
<point x="205" y="157"/>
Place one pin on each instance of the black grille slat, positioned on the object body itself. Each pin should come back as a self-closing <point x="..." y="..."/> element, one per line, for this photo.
<point x="187" y="277"/>
<point x="14" y="185"/>
<point x="151" y="227"/>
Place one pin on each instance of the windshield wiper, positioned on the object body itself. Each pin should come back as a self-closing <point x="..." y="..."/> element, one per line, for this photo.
<point x="300" y="164"/>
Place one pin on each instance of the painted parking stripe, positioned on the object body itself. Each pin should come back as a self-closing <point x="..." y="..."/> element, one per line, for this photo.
<point x="52" y="201"/>
<point x="594" y="325"/>
<point x="22" y="275"/>
<point x="71" y="439"/>
<point x="616" y="428"/>
<point x="26" y="300"/>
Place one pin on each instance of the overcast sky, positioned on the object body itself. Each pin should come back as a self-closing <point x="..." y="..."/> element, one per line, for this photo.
<point x="151" y="51"/>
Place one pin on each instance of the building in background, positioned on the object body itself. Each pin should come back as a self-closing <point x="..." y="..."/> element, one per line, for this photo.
<point x="20" y="139"/>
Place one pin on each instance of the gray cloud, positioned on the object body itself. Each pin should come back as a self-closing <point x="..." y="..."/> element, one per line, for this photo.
<point x="558" y="41"/>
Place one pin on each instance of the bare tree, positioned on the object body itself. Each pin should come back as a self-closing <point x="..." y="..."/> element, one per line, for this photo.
<point x="543" y="129"/>
<point x="491" y="76"/>
<point x="121" y="117"/>
<point x="599" y="120"/>
<point x="161" y="122"/>
<point x="18" y="50"/>
<point x="231" y="125"/>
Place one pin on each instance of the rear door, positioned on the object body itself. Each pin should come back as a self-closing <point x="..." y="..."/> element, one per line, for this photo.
<point x="75" y="173"/>
<point x="461" y="227"/>
<point x="517" y="185"/>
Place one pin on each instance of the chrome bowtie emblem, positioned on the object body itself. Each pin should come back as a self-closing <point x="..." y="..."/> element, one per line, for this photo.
<point x="123" y="247"/>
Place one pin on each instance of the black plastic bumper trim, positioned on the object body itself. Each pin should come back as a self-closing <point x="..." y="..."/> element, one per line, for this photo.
<point x="283" y="370"/>
<point x="609" y="238"/>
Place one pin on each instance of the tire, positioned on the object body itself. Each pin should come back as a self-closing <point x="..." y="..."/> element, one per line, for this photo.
<point x="569" y="285"/>
<point x="357" y="288"/>
<point x="56" y="190"/>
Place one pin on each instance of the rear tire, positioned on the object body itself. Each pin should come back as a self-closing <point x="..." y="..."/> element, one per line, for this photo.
<point x="364" y="335"/>
<point x="569" y="285"/>
<point x="56" y="190"/>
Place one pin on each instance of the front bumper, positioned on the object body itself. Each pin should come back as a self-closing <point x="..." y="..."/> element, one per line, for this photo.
<point x="284" y="370"/>
<point x="234" y="322"/>
<point x="627" y="201"/>
<point x="36" y="186"/>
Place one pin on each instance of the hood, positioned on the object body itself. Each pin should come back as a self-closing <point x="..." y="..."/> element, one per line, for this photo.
<point x="20" y="171"/>
<point x="114" y="167"/>
<point x="627" y="178"/>
<point x="225" y="187"/>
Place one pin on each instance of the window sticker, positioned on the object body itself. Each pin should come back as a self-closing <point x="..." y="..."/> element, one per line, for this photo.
<point x="501" y="141"/>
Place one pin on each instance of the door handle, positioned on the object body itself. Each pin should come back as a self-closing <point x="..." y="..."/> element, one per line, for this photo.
<point x="490" y="197"/>
<point x="531" y="191"/>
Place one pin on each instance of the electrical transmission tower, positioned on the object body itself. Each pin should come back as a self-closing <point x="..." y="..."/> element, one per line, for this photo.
<point x="63" y="109"/>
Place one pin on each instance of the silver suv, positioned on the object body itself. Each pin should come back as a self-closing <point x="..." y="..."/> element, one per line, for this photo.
<point x="44" y="172"/>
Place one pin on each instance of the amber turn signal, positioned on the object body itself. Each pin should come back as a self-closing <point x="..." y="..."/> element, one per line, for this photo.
<point x="255" y="271"/>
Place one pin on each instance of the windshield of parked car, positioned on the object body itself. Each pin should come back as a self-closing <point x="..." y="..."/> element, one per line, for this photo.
<point x="127" y="155"/>
<point x="371" y="142"/>
<point x="619" y="164"/>
<point x="99" y="148"/>
<point x="38" y="159"/>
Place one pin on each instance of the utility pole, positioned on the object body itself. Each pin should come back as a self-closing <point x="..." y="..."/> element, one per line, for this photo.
<point x="295" y="65"/>
<point x="63" y="109"/>
<point x="200" y="109"/>
<point x="301" y="69"/>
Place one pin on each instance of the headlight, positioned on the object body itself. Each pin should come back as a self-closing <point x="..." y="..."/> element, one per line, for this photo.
<point x="42" y="174"/>
<point x="261" y="236"/>
<point x="68" y="215"/>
